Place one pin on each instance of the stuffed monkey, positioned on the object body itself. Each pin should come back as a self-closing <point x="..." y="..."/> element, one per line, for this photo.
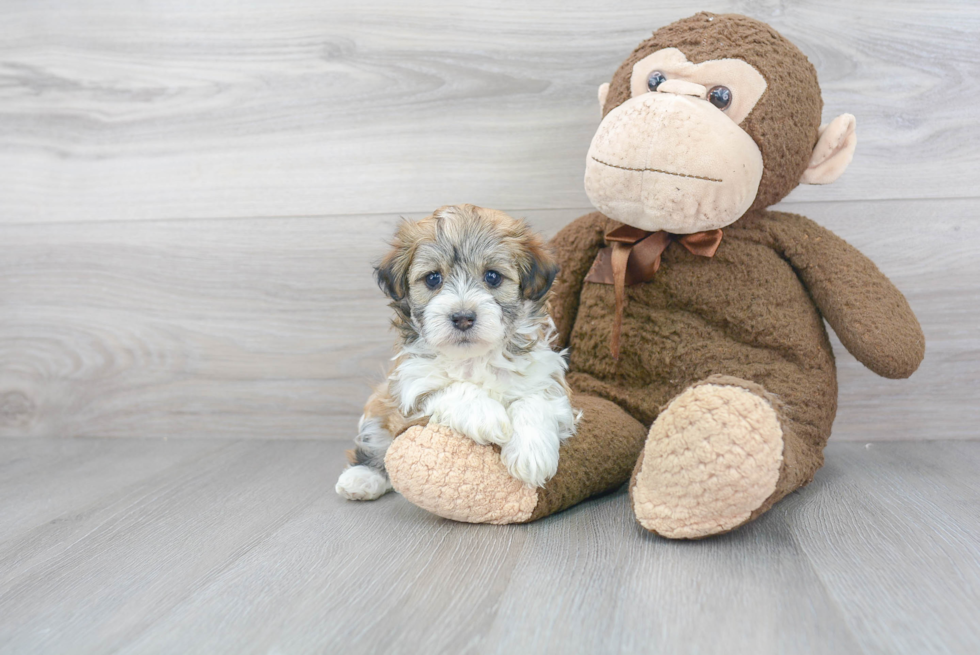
<point x="693" y="316"/>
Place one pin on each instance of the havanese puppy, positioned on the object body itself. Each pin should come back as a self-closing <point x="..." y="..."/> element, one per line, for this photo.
<point x="468" y="286"/>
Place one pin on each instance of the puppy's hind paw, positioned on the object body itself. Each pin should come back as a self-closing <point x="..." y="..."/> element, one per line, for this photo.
<point x="362" y="483"/>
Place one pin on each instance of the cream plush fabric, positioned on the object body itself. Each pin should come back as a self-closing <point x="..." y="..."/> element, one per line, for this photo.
<point x="455" y="478"/>
<point x="712" y="458"/>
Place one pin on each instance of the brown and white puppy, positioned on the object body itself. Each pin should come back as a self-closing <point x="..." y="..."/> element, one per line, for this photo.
<point x="468" y="286"/>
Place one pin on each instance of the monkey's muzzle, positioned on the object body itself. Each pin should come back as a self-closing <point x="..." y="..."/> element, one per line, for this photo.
<point x="662" y="161"/>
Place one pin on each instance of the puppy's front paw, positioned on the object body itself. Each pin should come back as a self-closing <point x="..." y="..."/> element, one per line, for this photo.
<point x="531" y="459"/>
<point x="483" y="420"/>
<point x="362" y="483"/>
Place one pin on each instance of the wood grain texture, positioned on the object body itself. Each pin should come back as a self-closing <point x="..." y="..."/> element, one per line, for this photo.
<point x="77" y="472"/>
<point x="244" y="548"/>
<point x="275" y="329"/>
<point x="917" y="503"/>
<point x="300" y="107"/>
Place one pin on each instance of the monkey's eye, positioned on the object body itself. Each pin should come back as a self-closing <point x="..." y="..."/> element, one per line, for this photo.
<point x="656" y="79"/>
<point x="720" y="97"/>
<point x="493" y="279"/>
<point x="433" y="279"/>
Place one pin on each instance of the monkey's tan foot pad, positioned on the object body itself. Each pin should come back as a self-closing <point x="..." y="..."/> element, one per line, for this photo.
<point x="711" y="459"/>
<point x="450" y="475"/>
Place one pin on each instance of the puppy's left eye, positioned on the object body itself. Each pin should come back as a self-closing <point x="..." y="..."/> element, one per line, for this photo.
<point x="493" y="279"/>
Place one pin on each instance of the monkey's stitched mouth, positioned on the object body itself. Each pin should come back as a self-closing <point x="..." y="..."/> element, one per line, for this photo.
<point x="655" y="170"/>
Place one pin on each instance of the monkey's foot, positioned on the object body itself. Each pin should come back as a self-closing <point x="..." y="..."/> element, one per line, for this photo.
<point x="710" y="462"/>
<point x="450" y="475"/>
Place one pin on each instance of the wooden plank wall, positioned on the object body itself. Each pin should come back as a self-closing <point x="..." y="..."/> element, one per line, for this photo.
<point x="192" y="193"/>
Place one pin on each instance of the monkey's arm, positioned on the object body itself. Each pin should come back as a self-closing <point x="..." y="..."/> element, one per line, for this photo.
<point x="870" y="316"/>
<point x="575" y="246"/>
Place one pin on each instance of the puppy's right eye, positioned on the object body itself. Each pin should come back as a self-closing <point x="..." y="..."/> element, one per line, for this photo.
<point x="433" y="280"/>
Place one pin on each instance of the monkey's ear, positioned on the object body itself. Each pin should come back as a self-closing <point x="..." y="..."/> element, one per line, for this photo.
<point x="603" y="93"/>
<point x="833" y="152"/>
<point x="538" y="270"/>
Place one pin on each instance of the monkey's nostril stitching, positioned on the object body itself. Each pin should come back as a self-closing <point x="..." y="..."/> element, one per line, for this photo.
<point x="656" y="170"/>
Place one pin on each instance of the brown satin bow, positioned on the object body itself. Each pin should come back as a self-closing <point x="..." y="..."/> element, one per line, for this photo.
<point x="634" y="257"/>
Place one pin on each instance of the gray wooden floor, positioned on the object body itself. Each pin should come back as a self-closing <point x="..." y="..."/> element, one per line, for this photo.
<point x="234" y="546"/>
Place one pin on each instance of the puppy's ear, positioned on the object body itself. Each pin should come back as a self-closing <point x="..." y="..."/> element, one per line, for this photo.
<point x="390" y="275"/>
<point x="538" y="267"/>
<point x="392" y="272"/>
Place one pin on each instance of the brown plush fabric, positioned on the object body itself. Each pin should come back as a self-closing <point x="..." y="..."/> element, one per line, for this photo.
<point x="598" y="459"/>
<point x="754" y="311"/>
<point x="576" y="250"/>
<point x="870" y="316"/>
<point x="785" y="121"/>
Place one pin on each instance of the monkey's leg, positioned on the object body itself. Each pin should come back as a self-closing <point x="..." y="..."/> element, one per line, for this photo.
<point x="447" y="474"/>
<point x="720" y="454"/>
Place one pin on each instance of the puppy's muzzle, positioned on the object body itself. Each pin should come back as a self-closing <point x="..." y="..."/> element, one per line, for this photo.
<point x="463" y="321"/>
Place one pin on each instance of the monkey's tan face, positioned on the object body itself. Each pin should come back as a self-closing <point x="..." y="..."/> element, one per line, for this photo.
<point x="673" y="156"/>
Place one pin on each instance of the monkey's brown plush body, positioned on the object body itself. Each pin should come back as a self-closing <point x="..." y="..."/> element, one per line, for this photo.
<point x="711" y="379"/>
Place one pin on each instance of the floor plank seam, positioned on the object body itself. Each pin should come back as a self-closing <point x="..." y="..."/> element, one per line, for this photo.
<point x="815" y="570"/>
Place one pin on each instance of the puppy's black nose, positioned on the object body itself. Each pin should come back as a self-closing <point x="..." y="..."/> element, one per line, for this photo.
<point x="463" y="321"/>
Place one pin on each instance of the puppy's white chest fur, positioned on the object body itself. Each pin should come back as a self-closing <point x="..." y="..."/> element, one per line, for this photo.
<point x="481" y="372"/>
<point x="503" y="376"/>
<point x="516" y="400"/>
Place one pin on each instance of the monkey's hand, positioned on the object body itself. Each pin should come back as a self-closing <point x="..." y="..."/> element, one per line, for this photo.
<point x="871" y="317"/>
<point x="468" y="409"/>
